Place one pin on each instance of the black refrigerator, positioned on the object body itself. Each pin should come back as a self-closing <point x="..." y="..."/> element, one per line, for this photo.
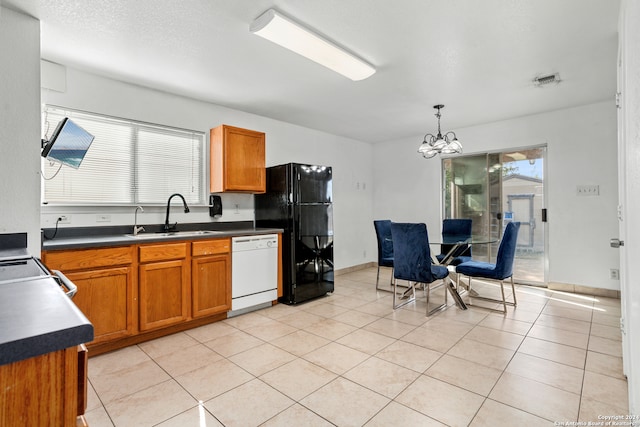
<point x="298" y="199"/>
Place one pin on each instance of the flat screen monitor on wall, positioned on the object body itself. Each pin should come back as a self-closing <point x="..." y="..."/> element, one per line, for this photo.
<point x="68" y="145"/>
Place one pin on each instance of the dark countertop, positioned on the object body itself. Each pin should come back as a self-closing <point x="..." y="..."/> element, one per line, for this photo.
<point x="100" y="237"/>
<point x="37" y="317"/>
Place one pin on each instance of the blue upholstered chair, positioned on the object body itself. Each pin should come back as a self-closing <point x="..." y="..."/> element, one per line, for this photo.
<point x="385" y="248"/>
<point x="458" y="229"/>
<point x="502" y="269"/>
<point x="412" y="261"/>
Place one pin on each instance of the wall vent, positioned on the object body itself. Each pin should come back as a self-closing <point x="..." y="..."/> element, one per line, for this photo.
<point x="547" y="79"/>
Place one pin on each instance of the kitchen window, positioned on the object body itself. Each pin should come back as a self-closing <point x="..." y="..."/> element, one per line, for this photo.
<point x="129" y="163"/>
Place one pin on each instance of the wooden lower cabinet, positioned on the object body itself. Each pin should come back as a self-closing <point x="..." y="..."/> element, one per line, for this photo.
<point x="42" y="390"/>
<point x="211" y="282"/>
<point x="106" y="288"/>
<point x="164" y="286"/>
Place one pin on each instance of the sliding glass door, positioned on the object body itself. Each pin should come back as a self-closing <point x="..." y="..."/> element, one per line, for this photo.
<point x="493" y="189"/>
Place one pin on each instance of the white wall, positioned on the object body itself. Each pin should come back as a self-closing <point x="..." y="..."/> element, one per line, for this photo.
<point x="351" y="159"/>
<point x="407" y="187"/>
<point x="20" y="126"/>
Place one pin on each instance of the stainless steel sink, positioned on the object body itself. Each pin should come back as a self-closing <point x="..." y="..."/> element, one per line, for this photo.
<point x="175" y="234"/>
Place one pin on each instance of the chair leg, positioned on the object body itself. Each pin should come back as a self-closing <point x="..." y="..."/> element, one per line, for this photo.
<point x="513" y="290"/>
<point x="441" y="306"/>
<point x="395" y="294"/>
<point x="504" y="300"/>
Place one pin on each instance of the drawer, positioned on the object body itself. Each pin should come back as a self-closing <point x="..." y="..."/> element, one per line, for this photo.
<point x="163" y="252"/>
<point x="83" y="259"/>
<point x="210" y="247"/>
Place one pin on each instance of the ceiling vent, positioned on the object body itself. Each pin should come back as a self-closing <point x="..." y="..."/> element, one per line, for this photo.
<point x="546" y="80"/>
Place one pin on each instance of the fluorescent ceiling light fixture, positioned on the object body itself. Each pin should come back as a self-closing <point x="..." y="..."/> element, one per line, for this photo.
<point x="283" y="31"/>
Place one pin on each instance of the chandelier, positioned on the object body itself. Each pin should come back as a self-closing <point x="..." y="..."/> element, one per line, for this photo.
<point x="439" y="144"/>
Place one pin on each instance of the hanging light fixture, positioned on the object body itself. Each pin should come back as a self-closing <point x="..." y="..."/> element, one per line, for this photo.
<point x="439" y="144"/>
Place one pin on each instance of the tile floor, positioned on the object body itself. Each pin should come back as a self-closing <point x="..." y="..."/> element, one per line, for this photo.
<point x="349" y="359"/>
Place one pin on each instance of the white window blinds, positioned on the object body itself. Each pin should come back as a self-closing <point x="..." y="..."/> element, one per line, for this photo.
<point x="129" y="162"/>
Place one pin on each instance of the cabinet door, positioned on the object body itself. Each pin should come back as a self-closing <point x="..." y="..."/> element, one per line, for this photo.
<point x="164" y="288"/>
<point x="105" y="297"/>
<point x="237" y="160"/>
<point x="211" y="281"/>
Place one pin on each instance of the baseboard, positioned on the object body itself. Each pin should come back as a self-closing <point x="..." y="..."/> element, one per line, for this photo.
<point x="586" y="290"/>
<point x="354" y="268"/>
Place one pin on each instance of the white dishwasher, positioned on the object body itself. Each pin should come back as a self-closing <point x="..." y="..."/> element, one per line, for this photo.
<point x="254" y="270"/>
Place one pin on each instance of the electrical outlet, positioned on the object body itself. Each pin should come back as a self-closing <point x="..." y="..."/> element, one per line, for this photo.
<point x="588" y="190"/>
<point x="237" y="209"/>
<point x="64" y="219"/>
<point x="103" y="218"/>
<point x="614" y="274"/>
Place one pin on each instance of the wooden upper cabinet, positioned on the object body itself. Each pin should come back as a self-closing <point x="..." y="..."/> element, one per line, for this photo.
<point x="237" y="160"/>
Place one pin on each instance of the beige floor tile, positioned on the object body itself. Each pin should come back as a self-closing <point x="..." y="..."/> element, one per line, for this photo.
<point x="409" y="355"/>
<point x="464" y="374"/>
<point x="193" y="417"/>
<point x="262" y="359"/>
<point x="330" y="329"/>
<point x="93" y="401"/>
<point x="605" y="389"/>
<point x="395" y="414"/>
<point x="234" y="343"/>
<point x="187" y="359"/>
<point x="607" y="318"/>
<point x="331" y="402"/>
<point x="270" y="330"/>
<point x="492" y="414"/>
<point x="605" y="346"/>
<point x="472" y="315"/>
<point x="441" y="401"/>
<point x="502" y="323"/>
<point x="150" y="406"/>
<point x="300" y="319"/>
<point x="568" y="312"/>
<point x="98" y="417"/>
<point x="214" y="379"/>
<point x="277" y="311"/>
<point x="536" y="398"/>
<point x="592" y="410"/>
<point x="366" y="341"/>
<point x="168" y="344"/>
<point x="559" y="336"/>
<point x="408" y="316"/>
<point x="524" y="312"/>
<point x="347" y="302"/>
<point x="481" y="353"/>
<point x="116" y="360"/>
<point x="297" y="415"/>
<point x="336" y="357"/>
<point x="545" y="371"/>
<point x="604" y="331"/>
<point x="117" y="384"/>
<point x="244" y="321"/>
<point x="495" y="337"/>
<point x="390" y="328"/>
<point x="251" y="404"/>
<point x="298" y="378"/>
<point x="326" y="310"/>
<point x="211" y="331"/>
<point x="604" y="364"/>
<point x="379" y="308"/>
<point x="432" y="339"/>
<point x="356" y="318"/>
<point x="300" y="342"/>
<point x="449" y="326"/>
<point x="381" y="376"/>
<point x="560" y="353"/>
<point x="571" y="325"/>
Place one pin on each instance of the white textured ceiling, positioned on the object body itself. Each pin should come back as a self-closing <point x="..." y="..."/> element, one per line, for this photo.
<point x="478" y="57"/>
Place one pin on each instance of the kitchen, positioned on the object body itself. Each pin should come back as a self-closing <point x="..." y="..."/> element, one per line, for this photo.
<point x="363" y="174"/>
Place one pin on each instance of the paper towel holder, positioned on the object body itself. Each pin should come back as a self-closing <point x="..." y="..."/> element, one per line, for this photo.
<point x="215" y="206"/>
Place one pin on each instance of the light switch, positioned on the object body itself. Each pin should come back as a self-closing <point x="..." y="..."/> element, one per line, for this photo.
<point x="588" y="190"/>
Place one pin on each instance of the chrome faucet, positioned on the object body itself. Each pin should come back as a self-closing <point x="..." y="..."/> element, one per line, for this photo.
<point x="168" y="227"/>
<point x="137" y="229"/>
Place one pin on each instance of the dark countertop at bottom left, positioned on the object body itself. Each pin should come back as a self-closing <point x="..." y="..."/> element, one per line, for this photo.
<point x="37" y="317"/>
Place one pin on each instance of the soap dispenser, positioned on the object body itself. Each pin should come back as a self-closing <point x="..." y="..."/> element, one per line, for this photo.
<point x="215" y="206"/>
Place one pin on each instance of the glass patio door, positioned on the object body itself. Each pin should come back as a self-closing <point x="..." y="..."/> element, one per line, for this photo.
<point x="493" y="189"/>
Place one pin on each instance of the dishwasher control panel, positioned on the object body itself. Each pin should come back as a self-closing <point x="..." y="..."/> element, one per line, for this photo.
<point x="249" y="243"/>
